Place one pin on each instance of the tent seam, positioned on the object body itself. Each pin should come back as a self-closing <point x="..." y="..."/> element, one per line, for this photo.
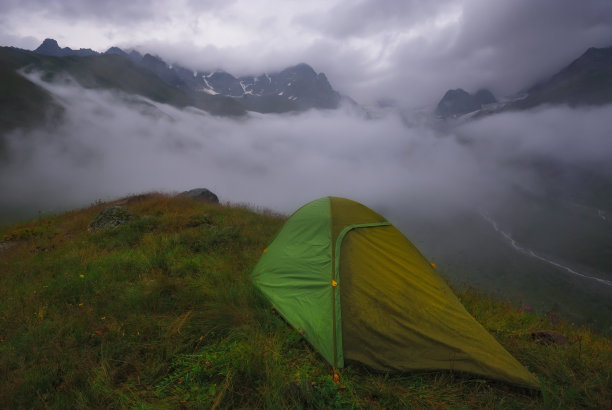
<point x="337" y="322"/>
<point x="333" y="292"/>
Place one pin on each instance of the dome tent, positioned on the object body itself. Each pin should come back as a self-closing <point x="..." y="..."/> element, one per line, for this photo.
<point x="357" y="289"/>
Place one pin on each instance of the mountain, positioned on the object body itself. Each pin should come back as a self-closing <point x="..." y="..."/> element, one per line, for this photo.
<point x="294" y="88"/>
<point x="49" y="47"/>
<point x="24" y="103"/>
<point x="161" y="69"/>
<point x="459" y="102"/>
<point x="117" y="51"/>
<point x="586" y="81"/>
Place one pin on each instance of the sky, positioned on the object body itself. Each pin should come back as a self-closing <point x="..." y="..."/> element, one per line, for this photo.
<point x="408" y="50"/>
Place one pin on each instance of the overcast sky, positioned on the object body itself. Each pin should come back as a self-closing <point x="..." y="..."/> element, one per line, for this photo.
<point x="409" y="50"/>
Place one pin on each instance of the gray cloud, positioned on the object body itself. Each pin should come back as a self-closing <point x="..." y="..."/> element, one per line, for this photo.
<point x="411" y="51"/>
<point x="111" y="145"/>
<point x="514" y="44"/>
<point x="505" y="46"/>
<point x="114" y="11"/>
<point x="366" y="17"/>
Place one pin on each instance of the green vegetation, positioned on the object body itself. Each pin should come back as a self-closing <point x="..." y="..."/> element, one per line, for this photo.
<point x="25" y="104"/>
<point x="160" y="313"/>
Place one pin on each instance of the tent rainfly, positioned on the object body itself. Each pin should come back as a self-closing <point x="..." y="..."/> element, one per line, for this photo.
<point x="357" y="289"/>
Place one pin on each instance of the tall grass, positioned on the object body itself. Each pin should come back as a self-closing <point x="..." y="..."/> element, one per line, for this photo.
<point x="160" y="313"/>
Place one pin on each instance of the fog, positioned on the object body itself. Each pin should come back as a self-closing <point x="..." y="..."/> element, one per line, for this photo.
<point x="110" y="145"/>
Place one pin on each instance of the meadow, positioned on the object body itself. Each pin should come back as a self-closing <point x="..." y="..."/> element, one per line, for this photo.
<point x="161" y="313"/>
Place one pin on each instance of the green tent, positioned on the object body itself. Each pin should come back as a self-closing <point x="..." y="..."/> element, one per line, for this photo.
<point x="357" y="289"/>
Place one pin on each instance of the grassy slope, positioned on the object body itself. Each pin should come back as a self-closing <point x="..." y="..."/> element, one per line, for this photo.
<point x="161" y="313"/>
<point x="22" y="103"/>
<point x="103" y="71"/>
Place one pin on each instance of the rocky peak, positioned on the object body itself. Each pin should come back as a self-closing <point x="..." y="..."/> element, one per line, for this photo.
<point x="50" y="47"/>
<point x="295" y="87"/>
<point x="458" y="102"/>
<point x="135" y="56"/>
<point x="161" y="69"/>
<point x="302" y="70"/>
<point x="484" y="96"/>
<point x="117" y="51"/>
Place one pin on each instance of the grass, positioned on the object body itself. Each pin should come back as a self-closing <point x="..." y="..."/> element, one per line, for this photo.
<point x="160" y="313"/>
<point x="25" y="104"/>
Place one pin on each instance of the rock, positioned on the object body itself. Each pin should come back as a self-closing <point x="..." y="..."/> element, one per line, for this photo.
<point x="49" y="47"/>
<point x="201" y="194"/>
<point x="548" y="336"/>
<point x="111" y="217"/>
<point x="459" y="102"/>
<point x="484" y="97"/>
<point x="117" y="51"/>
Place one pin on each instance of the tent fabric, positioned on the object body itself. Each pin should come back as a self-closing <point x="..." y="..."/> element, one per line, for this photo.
<point x="294" y="274"/>
<point x="357" y="289"/>
<point x="425" y="325"/>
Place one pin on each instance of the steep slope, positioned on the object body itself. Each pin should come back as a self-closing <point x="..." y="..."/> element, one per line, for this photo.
<point x="294" y="88"/>
<point x="586" y="81"/>
<point x="160" y="313"/>
<point x="108" y="71"/>
<point x="299" y="85"/>
<point x="22" y="103"/>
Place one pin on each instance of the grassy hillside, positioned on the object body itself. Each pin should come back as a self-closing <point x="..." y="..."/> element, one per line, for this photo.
<point x="160" y="313"/>
<point x="101" y="71"/>
<point x="23" y="103"/>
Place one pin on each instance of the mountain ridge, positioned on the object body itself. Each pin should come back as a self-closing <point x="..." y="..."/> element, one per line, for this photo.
<point x="24" y="103"/>
<point x="50" y="47"/>
<point x="458" y="102"/>
<point x="587" y="80"/>
<point x="297" y="87"/>
<point x="98" y="71"/>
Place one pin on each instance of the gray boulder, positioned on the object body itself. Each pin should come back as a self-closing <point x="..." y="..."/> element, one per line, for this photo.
<point x="111" y="217"/>
<point x="201" y="194"/>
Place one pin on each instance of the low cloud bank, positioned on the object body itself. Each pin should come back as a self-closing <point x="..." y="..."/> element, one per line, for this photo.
<point x="111" y="145"/>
